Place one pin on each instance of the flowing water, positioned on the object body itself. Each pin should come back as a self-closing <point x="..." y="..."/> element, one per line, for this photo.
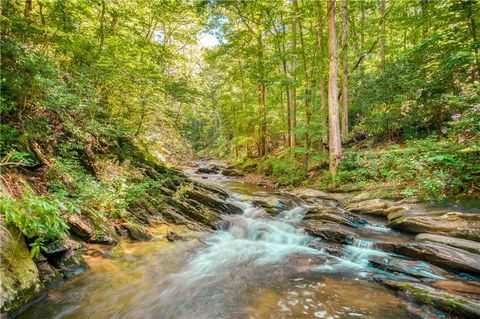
<point x="259" y="266"/>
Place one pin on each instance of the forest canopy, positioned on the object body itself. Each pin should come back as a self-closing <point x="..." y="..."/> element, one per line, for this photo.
<point x="260" y="91"/>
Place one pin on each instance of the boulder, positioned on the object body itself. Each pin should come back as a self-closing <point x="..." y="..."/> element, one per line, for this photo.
<point x="172" y="236"/>
<point x="310" y="193"/>
<point x="138" y="232"/>
<point x="469" y="245"/>
<point x="413" y="268"/>
<point x="93" y="228"/>
<point x="445" y="301"/>
<point x="231" y="172"/>
<point x="213" y="202"/>
<point x="370" y="206"/>
<point x="442" y="255"/>
<point x="329" y="231"/>
<point x="48" y="274"/>
<point x="272" y="203"/>
<point x="335" y="215"/>
<point x="452" y="224"/>
<point x="69" y="263"/>
<point x="19" y="276"/>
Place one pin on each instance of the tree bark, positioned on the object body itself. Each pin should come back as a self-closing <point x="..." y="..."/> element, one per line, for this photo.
<point x="261" y="100"/>
<point x="321" y="44"/>
<point x="293" y="91"/>
<point x="344" y="69"/>
<point x="383" y="36"/>
<point x="335" y="143"/>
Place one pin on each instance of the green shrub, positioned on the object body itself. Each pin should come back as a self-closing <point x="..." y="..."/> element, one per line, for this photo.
<point x="38" y="218"/>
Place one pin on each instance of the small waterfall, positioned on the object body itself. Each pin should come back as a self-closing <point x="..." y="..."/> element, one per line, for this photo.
<point x="233" y="260"/>
<point x="360" y="251"/>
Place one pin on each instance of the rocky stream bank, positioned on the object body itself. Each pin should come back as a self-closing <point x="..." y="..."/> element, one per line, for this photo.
<point x="429" y="255"/>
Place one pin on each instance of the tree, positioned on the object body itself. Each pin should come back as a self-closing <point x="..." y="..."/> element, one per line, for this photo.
<point x="334" y="141"/>
<point x="344" y="68"/>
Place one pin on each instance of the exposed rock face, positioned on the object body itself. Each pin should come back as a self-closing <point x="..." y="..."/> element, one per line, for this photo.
<point x="309" y="193"/>
<point x="92" y="227"/>
<point x="370" y="206"/>
<point x="19" y="276"/>
<point x="453" y="224"/>
<point x="442" y="255"/>
<point x="335" y="215"/>
<point x="209" y="200"/>
<point x="469" y="245"/>
<point x="231" y="172"/>
<point x="330" y="231"/>
<point x="446" y="301"/>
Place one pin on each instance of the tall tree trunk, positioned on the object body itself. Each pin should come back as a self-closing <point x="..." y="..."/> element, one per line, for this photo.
<point x="306" y="82"/>
<point x="362" y="38"/>
<point x="424" y="5"/>
<point x="382" y="36"/>
<point x="293" y="91"/>
<point x="473" y="31"/>
<point x="335" y="143"/>
<point x="344" y="69"/>
<point x="27" y="10"/>
<point x="261" y="100"/>
<point x="321" y="44"/>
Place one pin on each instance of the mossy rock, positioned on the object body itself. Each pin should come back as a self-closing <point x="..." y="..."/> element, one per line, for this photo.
<point x="19" y="276"/>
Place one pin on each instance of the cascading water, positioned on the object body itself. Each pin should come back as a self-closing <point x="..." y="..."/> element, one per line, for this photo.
<point x="233" y="260"/>
<point x="258" y="266"/>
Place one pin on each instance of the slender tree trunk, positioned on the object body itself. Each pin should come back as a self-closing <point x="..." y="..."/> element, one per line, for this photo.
<point x="293" y="91"/>
<point x="102" y="24"/>
<point x="344" y="69"/>
<point x="306" y="82"/>
<point x="235" y="129"/>
<point x="335" y="143"/>
<point x="321" y="44"/>
<point x="473" y="32"/>
<point x="424" y="5"/>
<point x="261" y="97"/>
<point x="27" y="10"/>
<point x="362" y="38"/>
<point x="382" y="36"/>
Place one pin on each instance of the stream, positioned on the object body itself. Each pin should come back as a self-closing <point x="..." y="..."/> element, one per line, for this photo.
<point x="257" y="266"/>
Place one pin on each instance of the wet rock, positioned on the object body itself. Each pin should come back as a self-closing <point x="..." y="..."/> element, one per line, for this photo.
<point x="274" y="202"/>
<point x="93" y="228"/>
<point x="469" y="245"/>
<point x="445" y="301"/>
<point x="470" y="289"/>
<point x="48" y="275"/>
<point x="138" y="232"/>
<point x="310" y="193"/>
<point x="335" y="215"/>
<point x="364" y="196"/>
<point x="413" y="268"/>
<point x="69" y="263"/>
<point x="209" y="169"/>
<point x="213" y="202"/>
<point x="370" y="206"/>
<point x="231" y="172"/>
<point x="452" y="224"/>
<point x="442" y="255"/>
<point x="206" y="170"/>
<point x="19" y="276"/>
<point x="329" y="231"/>
<point x="172" y="236"/>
